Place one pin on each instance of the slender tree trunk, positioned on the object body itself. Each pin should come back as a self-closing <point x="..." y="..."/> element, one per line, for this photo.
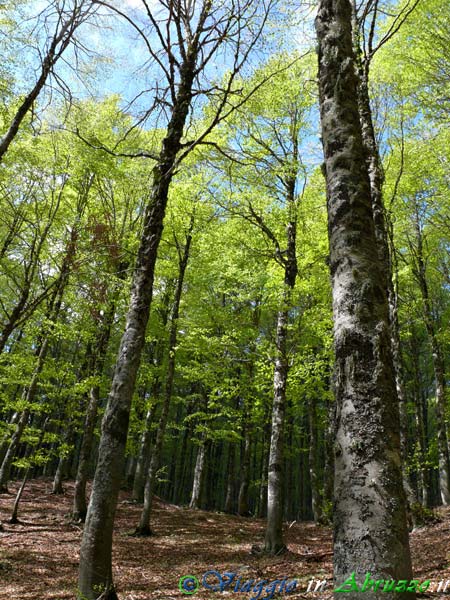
<point x="313" y="461"/>
<point x="142" y="466"/>
<point x="438" y="366"/>
<point x="95" y="572"/>
<point x="14" y="516"/>
<point x="274" y="543"/>
<point x="29" y="392"/>
<point x="5" y="441"/>
<point x="67" y="26"/>
<point x="262" y="508"/>
<point x="182" y="462"/>
<point x="229" y="495"/>
<point x="144" y="452"/>
<point x="28" y="397"/>
<point x="328" y="472"/>
<point x="370" y="526"/>
<point x="79" y="509"/>
<point x="144" y="523"/>
<point x="57" y="487"/>
<point x="243" y="510"/>
<point x="199" y="472"/>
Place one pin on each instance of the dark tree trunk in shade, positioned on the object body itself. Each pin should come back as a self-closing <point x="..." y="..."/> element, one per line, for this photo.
<point x="262" y="503"/>
<point x="313" y="461"/>
<point x="370" y="525"/>
<point x="438" y="363"/>
<point x="229" y="494"/>
<point x="79" y="509"/>
<point x="29" y="392"/>
<point x="143" y="456"/>
<point x="180" y="471"/>
<point x="156" y="357"/>
<point x="243" y="508"/>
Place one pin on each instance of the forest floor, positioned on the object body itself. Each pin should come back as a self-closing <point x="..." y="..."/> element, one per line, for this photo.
<point x="39" y="557"/>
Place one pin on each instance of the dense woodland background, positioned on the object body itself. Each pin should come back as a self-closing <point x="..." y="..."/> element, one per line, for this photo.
<point x="244" y="245"/>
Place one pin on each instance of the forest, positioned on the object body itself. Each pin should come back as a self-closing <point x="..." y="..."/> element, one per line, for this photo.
<point x="224" y="299"/>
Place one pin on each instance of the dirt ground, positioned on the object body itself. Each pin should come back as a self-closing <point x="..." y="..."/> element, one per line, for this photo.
<point x="39" y="557"/>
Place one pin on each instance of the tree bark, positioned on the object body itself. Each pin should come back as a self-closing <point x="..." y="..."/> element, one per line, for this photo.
<point x="79" y="509"/>
<point x="143" y="456"/>
<point x="229" y="494"/>
<point x="144" y="523"/>
<point x="384" y="241"/>
<point x="370" y="526"/>
<point x="95" y="572"/>
<point x="438" y="366"/>
<point x="274" y="543"/>
<point x="243" y="510"/>
<point x="313" y="461"/>
<point x="199" y="472"/>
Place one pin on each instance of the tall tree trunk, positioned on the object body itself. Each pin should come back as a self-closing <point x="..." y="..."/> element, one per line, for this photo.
<point x="95" y="570"/>
<point x="181" y="468"/>
<point x="384" y="241"/>
<point x="144" y="523"/>
<point x="370" y="526"/>
<point x="274" y="543"/>
<point x="438" y="366"/>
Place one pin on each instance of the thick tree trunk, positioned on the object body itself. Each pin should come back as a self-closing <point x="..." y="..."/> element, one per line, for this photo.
<point x="370" y="526"/>
<point x="95" y="571"/>
<point x="376" y="180"/>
